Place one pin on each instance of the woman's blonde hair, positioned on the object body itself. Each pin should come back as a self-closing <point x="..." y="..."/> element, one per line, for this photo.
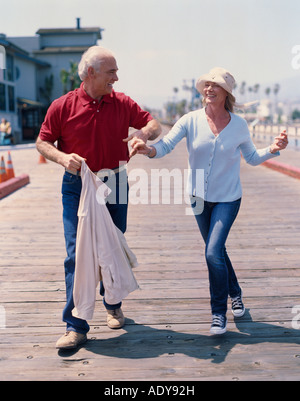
<point x="230" y="102"/>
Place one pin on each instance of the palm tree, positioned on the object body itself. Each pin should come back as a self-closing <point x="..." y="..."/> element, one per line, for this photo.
<point x="70" y="79"/>
<point x="250" y="89"/>
<point x="267" y="92"/>
<point x="256" y="88"/>
<point x="46" y="91"/>
<point x="242" y="88"/>
<point x="276" y="90"/>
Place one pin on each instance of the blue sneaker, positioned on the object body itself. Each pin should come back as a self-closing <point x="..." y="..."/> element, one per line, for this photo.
<point x="237" y="306"/>
<point x="219" y="324"/>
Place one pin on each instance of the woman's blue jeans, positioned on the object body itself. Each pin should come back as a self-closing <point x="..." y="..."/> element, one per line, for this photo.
<point x="71" y="190"/>
<point x="215" y="223"/>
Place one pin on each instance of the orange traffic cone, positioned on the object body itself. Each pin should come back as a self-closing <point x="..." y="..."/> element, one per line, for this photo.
<point x="3" y="175"/>
<point x="9" y="168"/>
<point x="42" y="159"/>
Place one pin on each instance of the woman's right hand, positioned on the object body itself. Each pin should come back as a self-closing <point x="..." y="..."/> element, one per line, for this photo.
<point x="139" y="147"/>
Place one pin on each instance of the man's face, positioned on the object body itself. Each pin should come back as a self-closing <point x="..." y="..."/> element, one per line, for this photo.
<point x="103" y="81"/>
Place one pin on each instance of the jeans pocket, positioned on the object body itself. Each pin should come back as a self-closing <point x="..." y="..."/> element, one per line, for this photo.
<point x="70" y="179"/>
<point x="235" y="207"/>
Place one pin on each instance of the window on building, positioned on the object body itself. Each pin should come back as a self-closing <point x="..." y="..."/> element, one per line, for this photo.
<point x="9" y="72"/>
<point x="2" y="97"/>
<point x="11" y="98"/>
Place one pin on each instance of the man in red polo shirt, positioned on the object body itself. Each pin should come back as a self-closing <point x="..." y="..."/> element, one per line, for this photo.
<point x="92" y="123"/>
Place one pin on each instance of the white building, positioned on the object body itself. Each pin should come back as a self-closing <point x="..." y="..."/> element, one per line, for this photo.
<point x="30" y="62"/>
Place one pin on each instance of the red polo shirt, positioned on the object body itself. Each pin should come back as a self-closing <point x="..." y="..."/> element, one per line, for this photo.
<point x="94" y="130"/>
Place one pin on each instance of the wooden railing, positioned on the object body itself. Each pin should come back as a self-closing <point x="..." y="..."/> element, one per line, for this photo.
<point x="293" y="131"/>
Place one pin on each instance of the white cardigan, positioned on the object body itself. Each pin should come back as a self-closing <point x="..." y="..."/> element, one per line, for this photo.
<point x="217" y="157"/>
<point x="101" y="251"/>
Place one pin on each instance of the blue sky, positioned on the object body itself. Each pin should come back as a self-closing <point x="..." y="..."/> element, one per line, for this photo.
<point x="159" y="43"/>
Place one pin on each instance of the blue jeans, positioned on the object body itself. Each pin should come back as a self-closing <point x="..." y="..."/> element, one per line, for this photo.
<point x="71" y="190"/>
<point x="215" y="223"/>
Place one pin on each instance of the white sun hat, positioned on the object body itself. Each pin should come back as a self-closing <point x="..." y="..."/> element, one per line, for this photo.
<point x="223" y="78"/>
<point x="219" y="76"/>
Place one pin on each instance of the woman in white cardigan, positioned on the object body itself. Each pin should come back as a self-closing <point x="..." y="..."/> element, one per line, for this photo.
<point x="215" y="138"/>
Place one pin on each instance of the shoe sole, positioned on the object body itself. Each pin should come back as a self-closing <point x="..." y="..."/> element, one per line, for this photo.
<point x="240" y="314"/>
<point x="73" y="346"/>
<point x="216" y="332"/>
<point x="115" y="327"/>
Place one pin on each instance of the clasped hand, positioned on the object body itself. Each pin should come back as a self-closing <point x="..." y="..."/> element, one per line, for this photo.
<point x="138" y="144"/>
<point x="280" y="142"/>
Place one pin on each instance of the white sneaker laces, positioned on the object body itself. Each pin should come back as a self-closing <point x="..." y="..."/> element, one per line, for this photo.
<point x="237" y="303"/>
<point x="218" y="321"/>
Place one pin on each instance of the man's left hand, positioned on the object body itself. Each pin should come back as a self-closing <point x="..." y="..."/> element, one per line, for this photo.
<point x="139" y="135"/>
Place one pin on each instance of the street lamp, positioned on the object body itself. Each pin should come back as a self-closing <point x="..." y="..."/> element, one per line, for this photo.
<point x="191" y="88"/>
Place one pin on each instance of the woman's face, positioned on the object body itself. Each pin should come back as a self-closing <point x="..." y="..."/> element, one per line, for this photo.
<point x="214" y="94"/>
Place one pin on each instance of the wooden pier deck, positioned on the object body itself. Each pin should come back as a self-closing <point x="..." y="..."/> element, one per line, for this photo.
<point x="167" y="332"/>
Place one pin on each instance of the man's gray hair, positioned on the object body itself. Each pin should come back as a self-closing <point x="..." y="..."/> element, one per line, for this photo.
<point x="92" y="57"/>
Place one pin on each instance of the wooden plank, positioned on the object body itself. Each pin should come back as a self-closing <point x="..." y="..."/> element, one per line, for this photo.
<point x="135" y="353"/>
<point x="167" y="332"/>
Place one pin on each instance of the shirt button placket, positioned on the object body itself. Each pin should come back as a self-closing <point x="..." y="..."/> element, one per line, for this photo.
<point x="209" y="166"/>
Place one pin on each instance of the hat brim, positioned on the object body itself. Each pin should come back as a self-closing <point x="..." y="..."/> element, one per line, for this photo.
<point x="217" y="79"/>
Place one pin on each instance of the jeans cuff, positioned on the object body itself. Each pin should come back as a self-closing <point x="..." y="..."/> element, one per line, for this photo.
<point x="111" y="307"/>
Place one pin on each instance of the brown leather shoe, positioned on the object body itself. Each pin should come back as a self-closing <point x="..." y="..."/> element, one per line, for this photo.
<point x="115" y="319"/>
<point x="71" y="340"/>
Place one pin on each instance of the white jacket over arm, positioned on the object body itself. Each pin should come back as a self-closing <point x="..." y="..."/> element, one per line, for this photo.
<point x="101" y="251"/>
